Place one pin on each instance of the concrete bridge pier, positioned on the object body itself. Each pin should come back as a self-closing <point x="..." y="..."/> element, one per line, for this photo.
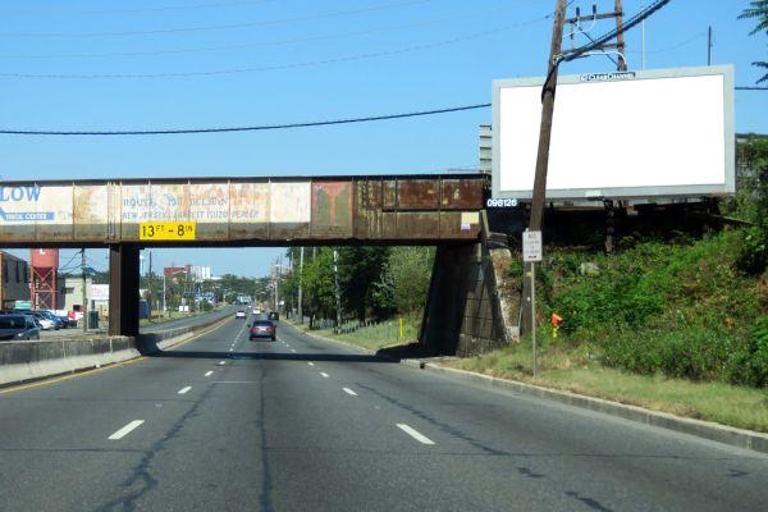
<point x="123" y="290"/>
<point x="467" y="312"/>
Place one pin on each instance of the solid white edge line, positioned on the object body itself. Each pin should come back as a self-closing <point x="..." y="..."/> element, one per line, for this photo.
<point x="184" y="390"/>
<point x="126" y="430"/>
<point x="324" y="374"/>
<point x="209" y="373"/>
<point x="349" y="391"/>
<point x="415" y="434"/>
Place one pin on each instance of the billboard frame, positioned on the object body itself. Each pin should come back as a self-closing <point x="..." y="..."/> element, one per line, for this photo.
<point x="666" y="191"/>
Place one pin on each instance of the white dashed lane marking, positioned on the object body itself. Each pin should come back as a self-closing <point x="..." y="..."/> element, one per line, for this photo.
<point x="324" y="374"/>
<point x="415" y="434"/>
<point x="126" y="430"/>
<point x="349" y="392"/>
<point x="185" y="390"/>
<point x="209" y="373"/>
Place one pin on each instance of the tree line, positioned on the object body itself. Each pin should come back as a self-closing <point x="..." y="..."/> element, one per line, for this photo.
<point x="373" y="282"/>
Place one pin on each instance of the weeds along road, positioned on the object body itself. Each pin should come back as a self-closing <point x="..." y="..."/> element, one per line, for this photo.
<point x="222" y="423"/>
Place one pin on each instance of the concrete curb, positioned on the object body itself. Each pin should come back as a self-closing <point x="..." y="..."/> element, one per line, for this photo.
<point x="732" y="436"/>
<point x="741" y="438"/>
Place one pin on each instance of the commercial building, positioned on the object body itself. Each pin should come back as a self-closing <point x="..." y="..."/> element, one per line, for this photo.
<point x="14" y="280"/>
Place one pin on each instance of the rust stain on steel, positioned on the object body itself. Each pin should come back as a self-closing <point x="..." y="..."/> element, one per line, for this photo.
<point x="249" y="211"/>
<point x="290" y="209"/>
<point x="91" y="212"/>
<point x="331" y="208"/>
<point x="461" y="194"/>
<point x="389" y="194"/>
<point x="417" y="194"/>
<point x="418" y="225"/>
<point x="135" y="207"/>
<point x="54" y="204"/>
<point x="367" y="211"/>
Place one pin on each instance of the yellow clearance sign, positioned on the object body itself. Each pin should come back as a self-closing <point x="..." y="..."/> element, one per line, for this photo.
<point x="165" y="231"/>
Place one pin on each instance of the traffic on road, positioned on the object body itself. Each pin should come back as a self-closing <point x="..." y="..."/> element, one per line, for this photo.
<point x="301" y="423"/>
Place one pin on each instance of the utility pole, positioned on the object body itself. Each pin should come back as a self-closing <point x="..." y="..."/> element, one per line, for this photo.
<point x="542" y="159"/>
<point x="85" y="291"/>
<point x="642" y="42"/>
<point x="619" y="13"/>
<point x="336" y="286"/>
<point x="301" y="286"/>
<point x="619" y="46"/>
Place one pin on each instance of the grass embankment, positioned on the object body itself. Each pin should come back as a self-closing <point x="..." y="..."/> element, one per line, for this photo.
<point x="728" y="404"/>
<point x="675" y="327"/>
<point x="376" y="336"/>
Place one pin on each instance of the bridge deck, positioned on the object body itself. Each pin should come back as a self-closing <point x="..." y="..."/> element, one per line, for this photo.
<point x="243" y="211"/>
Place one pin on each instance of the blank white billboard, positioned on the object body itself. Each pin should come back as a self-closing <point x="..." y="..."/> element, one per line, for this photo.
<point x="619" y="135"/>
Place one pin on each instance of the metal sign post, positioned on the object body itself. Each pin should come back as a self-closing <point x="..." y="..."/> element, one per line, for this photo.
<point x="532" y="253"/>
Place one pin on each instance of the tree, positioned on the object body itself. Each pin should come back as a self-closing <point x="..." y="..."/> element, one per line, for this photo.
<point x="405" y="282"/>
<point x="758" y="10"/>
<point x="359" y="270"/>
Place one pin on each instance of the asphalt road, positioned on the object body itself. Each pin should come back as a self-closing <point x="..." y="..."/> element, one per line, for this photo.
<point x="222" y="423"/>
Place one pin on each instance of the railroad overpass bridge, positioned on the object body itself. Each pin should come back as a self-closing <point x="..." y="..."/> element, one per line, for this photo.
<point x="126" y="215"/>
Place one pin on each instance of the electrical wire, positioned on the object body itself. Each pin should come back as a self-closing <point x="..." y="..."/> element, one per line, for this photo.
<point x="629" y="24"/>
<point x="283" y="42"/>
<point x="266" y="127"/>
<point x="121" y="12"/>
<point x="207" y="28"/>
<point x="276" y="67"/>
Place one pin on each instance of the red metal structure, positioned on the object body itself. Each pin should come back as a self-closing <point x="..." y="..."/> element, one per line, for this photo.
<point x="42" y="283"/>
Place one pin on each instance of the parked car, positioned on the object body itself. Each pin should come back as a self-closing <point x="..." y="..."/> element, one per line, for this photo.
<point x="60" y="324"/>
<point x="240" y="314"/>
<point x="263" y="329"/>
<point x="45" y="323"/>
<point x="63" y="316"/>
<point x="18" y="327"/>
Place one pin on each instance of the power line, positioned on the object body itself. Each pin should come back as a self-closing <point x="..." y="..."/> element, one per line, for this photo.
<point x="182" y="7"/>
<point x="268" y="127"/>
<point x="283" y="42"/>
<point x="185" y="131"/>
<point x="629" y="24"/>
<point x="206" y="28"/>
<point x="276" y="67"/>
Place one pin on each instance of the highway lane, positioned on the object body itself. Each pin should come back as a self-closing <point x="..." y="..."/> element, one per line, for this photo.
<point x="222" y="423"/>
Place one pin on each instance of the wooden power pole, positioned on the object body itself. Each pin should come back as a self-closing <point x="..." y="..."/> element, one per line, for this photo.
<point x="542" y="159"/>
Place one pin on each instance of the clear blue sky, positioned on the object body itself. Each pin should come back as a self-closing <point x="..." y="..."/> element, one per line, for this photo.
<point x="313" y="61"/>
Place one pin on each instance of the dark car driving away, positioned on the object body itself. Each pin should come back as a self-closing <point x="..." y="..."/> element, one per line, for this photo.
<point x="263" y="329"/>
<point x="18" y="327"/>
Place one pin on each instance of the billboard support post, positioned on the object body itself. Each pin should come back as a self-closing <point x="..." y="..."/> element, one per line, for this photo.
<point x="545" y="132"/>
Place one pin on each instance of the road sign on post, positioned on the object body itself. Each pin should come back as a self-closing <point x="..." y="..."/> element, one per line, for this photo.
<point x="532" y="244"/>
<point x="532" y="252"/>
